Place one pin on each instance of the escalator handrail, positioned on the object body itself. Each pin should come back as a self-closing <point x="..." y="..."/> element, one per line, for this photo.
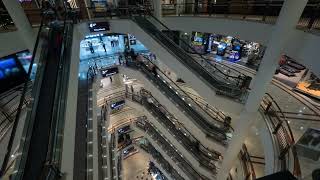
<point x="122" y="94"/>
<point x="175" y="149"/>
<point x="186" y="94"/>
<point x="221" y="88"/>
<point x="25" y="87"/>
<point x="229" y="76"/>
<point x="296" y="164"/>
<point x="206" y="124"/>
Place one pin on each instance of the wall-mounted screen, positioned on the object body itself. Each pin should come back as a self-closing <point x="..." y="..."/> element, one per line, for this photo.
<point x="24" y="57"/>
<point x="99" y="26"/>
<point x="117" y="104"/>
<point x="11" y="73"/>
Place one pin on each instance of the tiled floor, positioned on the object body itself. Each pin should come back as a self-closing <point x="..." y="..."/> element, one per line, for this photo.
<point x="135" y="167"/>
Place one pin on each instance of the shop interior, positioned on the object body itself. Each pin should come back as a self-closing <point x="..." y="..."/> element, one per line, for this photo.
<point x="105" y="50"/>
<point x="297" y="76"/>
<point x="228" y="48"/>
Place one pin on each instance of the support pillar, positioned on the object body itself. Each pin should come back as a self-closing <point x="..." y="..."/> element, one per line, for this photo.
<point x="157" y="9"/>
<point x="21" y="21"/>
<point x="286" y="24"/>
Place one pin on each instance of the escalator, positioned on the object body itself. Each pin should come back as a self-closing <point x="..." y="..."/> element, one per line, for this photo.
<point x="197" y="114"/>
<point x="41" y="142"/>
<point x="43" y="118"/>
<point x="232" y="86"/>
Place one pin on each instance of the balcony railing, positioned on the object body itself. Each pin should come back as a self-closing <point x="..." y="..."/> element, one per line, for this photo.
<point x="247" y="164"/>
<point x="201" y="153"/>
<point x="263" y="11"/>
<point x="282" y="136"/>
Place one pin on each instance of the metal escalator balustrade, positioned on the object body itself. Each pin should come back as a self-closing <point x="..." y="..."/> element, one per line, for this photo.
<point x="282" y="135"/>
<point x="204" y="156"/>
<point x="215" y="127"/>
<point x="174" y="128"/>
<point x="160" y="159"/>
<point x="41" y="143"/>
<point x="235" y="87"/>
<point x="172" y="152"/>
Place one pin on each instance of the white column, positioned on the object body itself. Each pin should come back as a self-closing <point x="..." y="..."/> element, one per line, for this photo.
<point x="21" y="22"/>
<point x="286" y="24"/>
<point x="157" y="9"/>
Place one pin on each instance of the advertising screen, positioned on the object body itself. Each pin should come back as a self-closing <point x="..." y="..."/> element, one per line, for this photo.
<point x="11" y="73"/>
<point x="197" y="39"/>
<point x="99" y="26"/>
<point x="117" y="104"/>
<point x="109" y="72"/>
<point x="24" y="58"/>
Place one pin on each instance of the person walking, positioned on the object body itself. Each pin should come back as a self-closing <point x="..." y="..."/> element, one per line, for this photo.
<point x="120" y="58"/>
<point x="104" y="47"/>
<point x="111" y="79"/>
<point x="91" y="47"/>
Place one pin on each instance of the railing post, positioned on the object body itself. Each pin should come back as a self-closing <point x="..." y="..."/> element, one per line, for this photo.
<point x="268" y="107"/>
<point x="275" y="131"/>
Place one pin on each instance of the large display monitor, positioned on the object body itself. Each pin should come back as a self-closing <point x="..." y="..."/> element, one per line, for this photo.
<point x="109" y="71"/>
<point x="99" y="26"/>
<point x="24" y="57"/>
<point x="11" y="73"/>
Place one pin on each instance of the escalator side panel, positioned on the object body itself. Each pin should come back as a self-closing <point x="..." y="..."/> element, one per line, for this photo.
<point x="41" y="131"/>
<point x="79" y="170"/>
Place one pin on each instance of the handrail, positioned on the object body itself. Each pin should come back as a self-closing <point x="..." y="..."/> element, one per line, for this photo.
<point x="17" y="117"/>
<point x="285" y="141"/>
<point x="189" y="46"/>
<point x="222" y="84"/>
<point x="267" y="10"/>
<point x="161" y="160"/>
<point x="143" y="118"/>
<point x="123" y="94"/>
<point x="247" y="163"/>
<point x="211" y="129"/>
<point x="150" y="128"/>
<point x="186" y="94"/>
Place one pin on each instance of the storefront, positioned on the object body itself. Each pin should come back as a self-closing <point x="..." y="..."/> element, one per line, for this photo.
<point x="297" y="76"/>
<point x="227" y="48"/>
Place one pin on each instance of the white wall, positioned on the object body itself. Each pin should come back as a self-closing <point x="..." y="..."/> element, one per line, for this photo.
<point x="247" y="30"/>
<point x="303" y="47"/>
<point x="10" y="43"/>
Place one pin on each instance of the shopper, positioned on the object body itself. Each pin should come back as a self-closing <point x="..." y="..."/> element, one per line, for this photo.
<point x="120" y="58"/>
<point x="91" y="47"/>
<point x="96" y="66"/>
<point x="104" y="47"/>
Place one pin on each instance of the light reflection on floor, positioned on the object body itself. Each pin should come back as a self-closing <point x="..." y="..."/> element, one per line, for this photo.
<point x="101" y="57"/>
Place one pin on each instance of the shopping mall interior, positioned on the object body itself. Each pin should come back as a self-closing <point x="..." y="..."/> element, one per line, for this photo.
<point x="159" y="90"/>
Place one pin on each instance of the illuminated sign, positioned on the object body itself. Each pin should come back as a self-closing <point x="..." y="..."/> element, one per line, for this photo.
<point x="109" y="72"/>
<point x="99" y="26"/>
